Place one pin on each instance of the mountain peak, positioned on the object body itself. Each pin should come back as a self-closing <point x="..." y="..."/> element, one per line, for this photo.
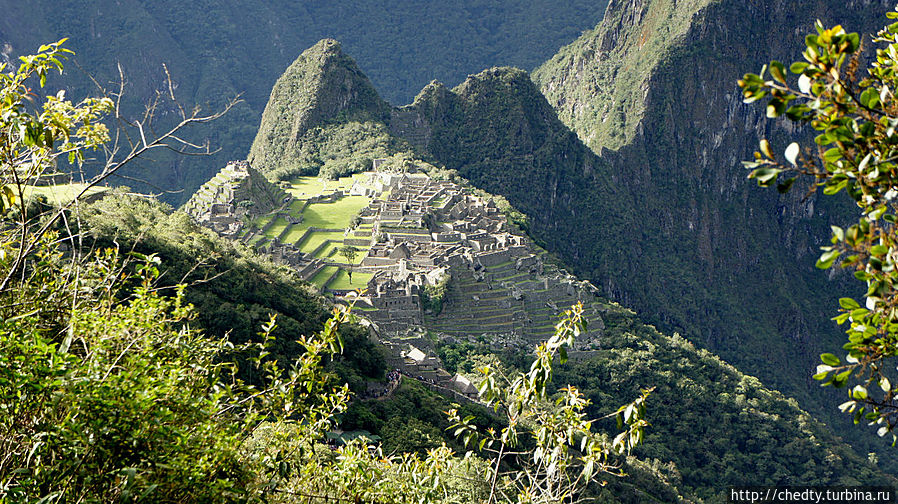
<point x="322" y="84"/>
<point x="325" y="47"/>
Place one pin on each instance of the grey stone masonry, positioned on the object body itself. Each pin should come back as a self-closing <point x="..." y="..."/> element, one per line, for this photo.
<point x="236" y="191"/>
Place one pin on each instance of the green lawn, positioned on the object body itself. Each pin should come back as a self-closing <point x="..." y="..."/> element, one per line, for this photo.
<point x="294" y="234"/>
<point x="295" y="208"/>
<point x="316" y="239"/>
<point x="60" y="194"/>
<point x="322" y="276"/>
<point x="341" y="282"/>
<point x="262" y="221"/>
<point x="331" y="252"/>
<point x="337" y="215"/>
<point x="279" y="225"/>
<point x="306" y="187"/>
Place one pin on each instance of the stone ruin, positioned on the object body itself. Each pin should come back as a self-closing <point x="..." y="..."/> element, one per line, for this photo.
<point x="237" y="191"/>
<point x="424" y="230"/>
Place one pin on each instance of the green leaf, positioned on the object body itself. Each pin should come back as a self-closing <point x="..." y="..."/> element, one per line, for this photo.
<point x="765" y="176"/>
<point x="798" y="67"/>
<point x="827" y="258"/>
<point x="832" y="155"/>
<point x="848" y="304"/>
<point x="838" y="233"/>
<point x="765" y="148"/>
<point x="830" y="359"/>
<point x="870" y="98"/>
<point x="859" y="392"/>
<point x="777" y="71"/>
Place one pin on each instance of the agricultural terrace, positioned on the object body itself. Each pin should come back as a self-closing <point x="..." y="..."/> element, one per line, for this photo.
<point x="321" y="231"/>
<point x="62" y="193"/>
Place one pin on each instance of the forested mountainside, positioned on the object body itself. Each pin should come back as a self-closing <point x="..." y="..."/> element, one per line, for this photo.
<point x="652" y="90"/>
<point x="217" y="50"/>
<point x="498" y="131"/>
<point x="711" y="425"/>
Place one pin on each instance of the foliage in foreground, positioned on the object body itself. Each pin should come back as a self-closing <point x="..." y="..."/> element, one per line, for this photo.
<point x="711" y="425"/>
<point x="233" y="289"/>
<point x="107" y="394"/>
<point x="855" y="113"/>
<point x="105" y="399"/>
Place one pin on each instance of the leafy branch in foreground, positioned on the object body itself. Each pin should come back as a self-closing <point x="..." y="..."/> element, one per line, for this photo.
<point x="105" y="399"/>
<point x="553" y="448"/>
<point x="35" y="140"/>
<point x="855" y="152"/>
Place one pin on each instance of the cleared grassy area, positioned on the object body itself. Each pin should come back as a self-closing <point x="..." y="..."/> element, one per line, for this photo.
<point x="341" y="282"/>
<point x="294" y="234"/>
<point x="331" y="252"/>
<point x="306" y="187"/>
<point x="295" y="208"/>
<point x="316" y="239"/>
<point x="279" y="225"/>
<point x="262" y="221"/>
<point x="60" y="194"/>
<point x="337" y="215"/>
<point x="322" y="276"/>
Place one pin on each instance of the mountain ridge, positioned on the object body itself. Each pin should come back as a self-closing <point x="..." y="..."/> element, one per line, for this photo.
<point x="728" y="265"/>
<point x="497" y="130"/>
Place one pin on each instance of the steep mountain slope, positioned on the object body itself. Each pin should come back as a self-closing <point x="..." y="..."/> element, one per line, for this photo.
<point x="215" y="50"/>
<point x="301" y="121"/>
<point x="729" y="265"/>
<point x="498" y="131"/>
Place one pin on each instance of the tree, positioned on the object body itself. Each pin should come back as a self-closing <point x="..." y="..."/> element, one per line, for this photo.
<point x="566" y="455"/>
<point x="35" y="140"/>
<point x="855" y="114"/>
<point x="349" y="252"/>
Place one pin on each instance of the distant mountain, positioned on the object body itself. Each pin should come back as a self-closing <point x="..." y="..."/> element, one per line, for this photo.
<point x="652" y="90"/>
<point x="313" y="106"/>
<point x="500" y="133"/>
<point x="215" y="50"/>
